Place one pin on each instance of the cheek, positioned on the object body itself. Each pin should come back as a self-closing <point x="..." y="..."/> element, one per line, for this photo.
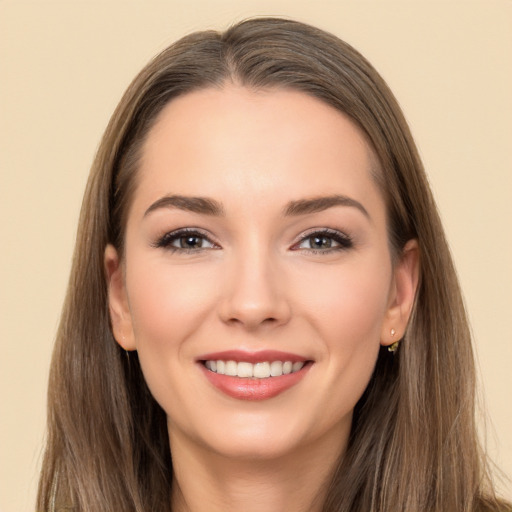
<point x="167" y="305"/>
<point x="349" y="317"/>
<point x="349" y="303"/>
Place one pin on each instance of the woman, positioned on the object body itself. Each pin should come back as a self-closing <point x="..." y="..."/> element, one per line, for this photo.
<point x="263" y="311"/>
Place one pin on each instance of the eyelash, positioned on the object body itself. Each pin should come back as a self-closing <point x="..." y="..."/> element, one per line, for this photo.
<point x="165" y="241"/>
<point x="343" y="241"/>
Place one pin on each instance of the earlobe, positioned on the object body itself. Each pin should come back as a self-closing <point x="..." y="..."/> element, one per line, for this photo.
<point x="406" y="277"/>
<point x="119" y="310"/>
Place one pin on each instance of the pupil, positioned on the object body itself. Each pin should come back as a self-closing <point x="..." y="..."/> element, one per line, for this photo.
<point x="321" y="242"/>
<point x="190" y="242"/>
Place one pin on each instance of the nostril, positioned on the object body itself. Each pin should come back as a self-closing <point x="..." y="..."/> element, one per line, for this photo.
<point x="248" y="322"/>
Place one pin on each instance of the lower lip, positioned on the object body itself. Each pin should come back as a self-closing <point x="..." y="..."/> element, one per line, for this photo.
<point x="254" y="389"/>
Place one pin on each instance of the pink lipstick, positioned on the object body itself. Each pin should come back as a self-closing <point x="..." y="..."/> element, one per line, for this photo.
<point x="253" y="375"/>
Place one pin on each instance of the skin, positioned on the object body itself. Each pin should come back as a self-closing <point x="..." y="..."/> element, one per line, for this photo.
<point x="255" y="282"/>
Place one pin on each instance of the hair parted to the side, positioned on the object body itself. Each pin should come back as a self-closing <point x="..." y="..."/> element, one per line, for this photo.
<point x="413" y="445"/>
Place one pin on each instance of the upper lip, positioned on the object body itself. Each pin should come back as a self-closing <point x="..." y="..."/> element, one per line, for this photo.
<point x="252" y="357"/>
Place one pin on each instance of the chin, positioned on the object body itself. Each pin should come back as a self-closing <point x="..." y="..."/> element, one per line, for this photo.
<point x="263" y="437"/>
<point x="257" y="447"/>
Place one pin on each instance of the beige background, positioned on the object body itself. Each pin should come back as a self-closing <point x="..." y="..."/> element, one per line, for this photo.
<point x="65" y="64"/>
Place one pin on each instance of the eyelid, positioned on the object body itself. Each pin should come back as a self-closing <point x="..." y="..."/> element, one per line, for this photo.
<point x="343" y="240"/>
<point x="164" y="241"/>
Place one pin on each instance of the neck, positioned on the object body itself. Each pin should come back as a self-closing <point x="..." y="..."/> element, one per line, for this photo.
<point x="205" y="481"/>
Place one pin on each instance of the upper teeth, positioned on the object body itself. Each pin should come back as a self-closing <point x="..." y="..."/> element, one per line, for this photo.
<point x="259" y="370"/>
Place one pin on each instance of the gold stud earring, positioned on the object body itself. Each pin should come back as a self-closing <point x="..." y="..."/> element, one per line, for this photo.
<point x="394" y="346"/>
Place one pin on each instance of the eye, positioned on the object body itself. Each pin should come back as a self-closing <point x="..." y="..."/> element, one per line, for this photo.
<point x="323" y="241"/>
<point x="185" y="240"/>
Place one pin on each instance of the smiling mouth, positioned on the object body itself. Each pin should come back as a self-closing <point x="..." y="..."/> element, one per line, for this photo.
<point x="256" y="375"/>
<point x="260" y="370"/>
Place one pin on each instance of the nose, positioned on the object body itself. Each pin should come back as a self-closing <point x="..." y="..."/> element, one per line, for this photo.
<point x="254" y="293"/>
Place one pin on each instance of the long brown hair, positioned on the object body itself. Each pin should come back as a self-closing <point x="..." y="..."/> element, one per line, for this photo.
<point x="413" y="444"/>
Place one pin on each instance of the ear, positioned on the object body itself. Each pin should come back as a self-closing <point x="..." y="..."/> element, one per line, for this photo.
<point x="120" y="316"/>
<point x="402" y="294"/>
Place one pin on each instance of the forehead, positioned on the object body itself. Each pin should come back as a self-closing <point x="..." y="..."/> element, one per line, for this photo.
<point x="264" y="144"/>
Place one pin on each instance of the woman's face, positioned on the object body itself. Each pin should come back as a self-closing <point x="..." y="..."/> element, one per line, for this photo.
<point x="257" y="283"/>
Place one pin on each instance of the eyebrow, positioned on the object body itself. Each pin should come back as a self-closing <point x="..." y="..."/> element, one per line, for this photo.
<point x="201" y="205"/>
<point x="319" y="204"/>
<point x="207" y="206"/>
